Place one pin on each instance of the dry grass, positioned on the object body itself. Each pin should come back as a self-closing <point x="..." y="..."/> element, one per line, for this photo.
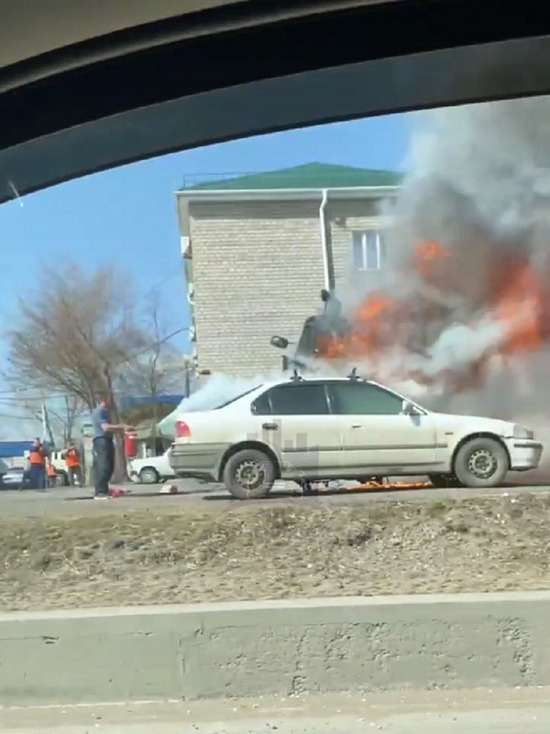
<point x="273" y="552"/>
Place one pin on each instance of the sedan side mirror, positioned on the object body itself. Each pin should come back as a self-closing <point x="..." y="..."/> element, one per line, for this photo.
<point x="279" y="341"/>
<point x="407" y="408"/>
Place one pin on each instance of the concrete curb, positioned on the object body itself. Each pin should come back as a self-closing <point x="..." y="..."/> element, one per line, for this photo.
<point x="274" y="648"/>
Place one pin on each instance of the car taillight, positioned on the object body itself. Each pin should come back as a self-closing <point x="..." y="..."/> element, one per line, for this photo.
<point x="182" y="430"/>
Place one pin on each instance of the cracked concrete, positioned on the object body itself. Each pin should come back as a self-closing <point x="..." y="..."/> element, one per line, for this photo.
<point x="275" y="648"/>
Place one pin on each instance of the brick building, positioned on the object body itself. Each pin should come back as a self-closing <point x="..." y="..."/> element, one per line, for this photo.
<point x="259" y="248"/>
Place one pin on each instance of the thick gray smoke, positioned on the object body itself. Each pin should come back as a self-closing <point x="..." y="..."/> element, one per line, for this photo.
<point x="480" y="171"/>
<point x="478" y="182"/>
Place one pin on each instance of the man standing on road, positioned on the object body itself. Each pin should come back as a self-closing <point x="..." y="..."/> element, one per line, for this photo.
<point x="103" y="448"/>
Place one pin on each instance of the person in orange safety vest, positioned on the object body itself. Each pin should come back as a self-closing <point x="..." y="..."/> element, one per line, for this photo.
<point x="72" y="460"/>
<point x="52" y="475"/>
<point x="37" y="462"/>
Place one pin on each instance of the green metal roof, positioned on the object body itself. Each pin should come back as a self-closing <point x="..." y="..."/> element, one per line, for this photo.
<point x="308" y="176"/>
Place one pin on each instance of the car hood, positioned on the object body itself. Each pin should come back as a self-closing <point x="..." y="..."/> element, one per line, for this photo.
<point x="474" y="423"/>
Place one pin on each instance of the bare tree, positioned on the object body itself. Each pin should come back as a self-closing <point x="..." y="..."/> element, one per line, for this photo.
<point x="75" y="336"/>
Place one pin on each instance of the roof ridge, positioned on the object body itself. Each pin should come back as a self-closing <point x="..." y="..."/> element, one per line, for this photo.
<point x="310" y="175"/>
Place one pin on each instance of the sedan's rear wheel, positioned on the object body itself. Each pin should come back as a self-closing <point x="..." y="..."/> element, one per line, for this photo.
<point x="482" y="462"/>
<point x="249" y="474"/>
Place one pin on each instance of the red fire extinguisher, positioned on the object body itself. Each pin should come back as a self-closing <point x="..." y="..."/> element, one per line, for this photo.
<point x="130" y="444"/>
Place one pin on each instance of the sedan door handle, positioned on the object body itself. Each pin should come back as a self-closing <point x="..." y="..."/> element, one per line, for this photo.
<point x="357" y="425"/>
<point x="270" y="426"/>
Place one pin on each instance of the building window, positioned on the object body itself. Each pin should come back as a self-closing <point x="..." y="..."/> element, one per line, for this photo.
<point x="368" y="250"/>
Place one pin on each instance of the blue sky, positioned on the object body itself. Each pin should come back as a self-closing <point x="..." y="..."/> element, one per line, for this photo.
<point x="127" y="215"/>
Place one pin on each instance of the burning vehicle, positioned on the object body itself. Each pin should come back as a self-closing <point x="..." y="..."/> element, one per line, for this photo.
<point x="328" y="325"/>
<point x="454" y="317"/>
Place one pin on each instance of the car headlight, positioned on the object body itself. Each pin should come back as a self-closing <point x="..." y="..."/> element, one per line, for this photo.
<point x="522" y="432"/>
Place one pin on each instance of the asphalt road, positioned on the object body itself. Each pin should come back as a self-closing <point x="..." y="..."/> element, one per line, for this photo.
<point x="499" y="711"/>
<point x="75" y="502"/>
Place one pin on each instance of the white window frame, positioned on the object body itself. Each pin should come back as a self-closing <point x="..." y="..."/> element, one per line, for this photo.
<point x="365" y="265"/>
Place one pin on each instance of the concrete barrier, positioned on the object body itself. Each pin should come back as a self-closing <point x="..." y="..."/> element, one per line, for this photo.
<point x="281" y="648"/>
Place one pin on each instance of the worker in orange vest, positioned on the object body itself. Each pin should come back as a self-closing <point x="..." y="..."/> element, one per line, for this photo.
<point x="37" y="462"/>
<point x="52" y="475"/>
<point x="72" y="460"/>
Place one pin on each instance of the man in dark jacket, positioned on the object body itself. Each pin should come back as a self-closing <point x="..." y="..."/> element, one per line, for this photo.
<point x="103" y="448"/>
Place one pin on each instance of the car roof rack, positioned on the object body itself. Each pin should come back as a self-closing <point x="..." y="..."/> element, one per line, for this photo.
<point x="296" y="377"/>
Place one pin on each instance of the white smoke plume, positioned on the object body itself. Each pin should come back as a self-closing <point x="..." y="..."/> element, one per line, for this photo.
<point x="216" y="391"/>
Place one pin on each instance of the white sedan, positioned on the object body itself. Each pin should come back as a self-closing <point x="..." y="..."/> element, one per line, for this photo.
<point x="152" y="469"/>
<point x="320" y="429"/>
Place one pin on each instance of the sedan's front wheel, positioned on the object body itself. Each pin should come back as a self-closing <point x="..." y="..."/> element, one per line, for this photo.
<point x="482" y="462"/>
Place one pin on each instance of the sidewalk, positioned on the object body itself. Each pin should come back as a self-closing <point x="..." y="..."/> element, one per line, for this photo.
<point x="500" y="711"/>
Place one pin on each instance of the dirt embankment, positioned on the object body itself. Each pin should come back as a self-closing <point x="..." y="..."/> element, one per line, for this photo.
<point x="275" y="552"/>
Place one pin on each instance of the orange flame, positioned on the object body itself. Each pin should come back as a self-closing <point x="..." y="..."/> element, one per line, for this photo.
<point x="515" y="297"/>
<point x="519" y="299"/>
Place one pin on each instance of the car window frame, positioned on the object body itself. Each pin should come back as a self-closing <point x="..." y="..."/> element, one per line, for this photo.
<point x="419" y="408"/>
<point x="293" y="386"/>
<point x="375" y="385"/>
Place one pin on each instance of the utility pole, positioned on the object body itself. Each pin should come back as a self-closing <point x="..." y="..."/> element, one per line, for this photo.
<point x="68" y="437"/>
<point x="187" y="388"/>
<point x="46" y="427"/>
